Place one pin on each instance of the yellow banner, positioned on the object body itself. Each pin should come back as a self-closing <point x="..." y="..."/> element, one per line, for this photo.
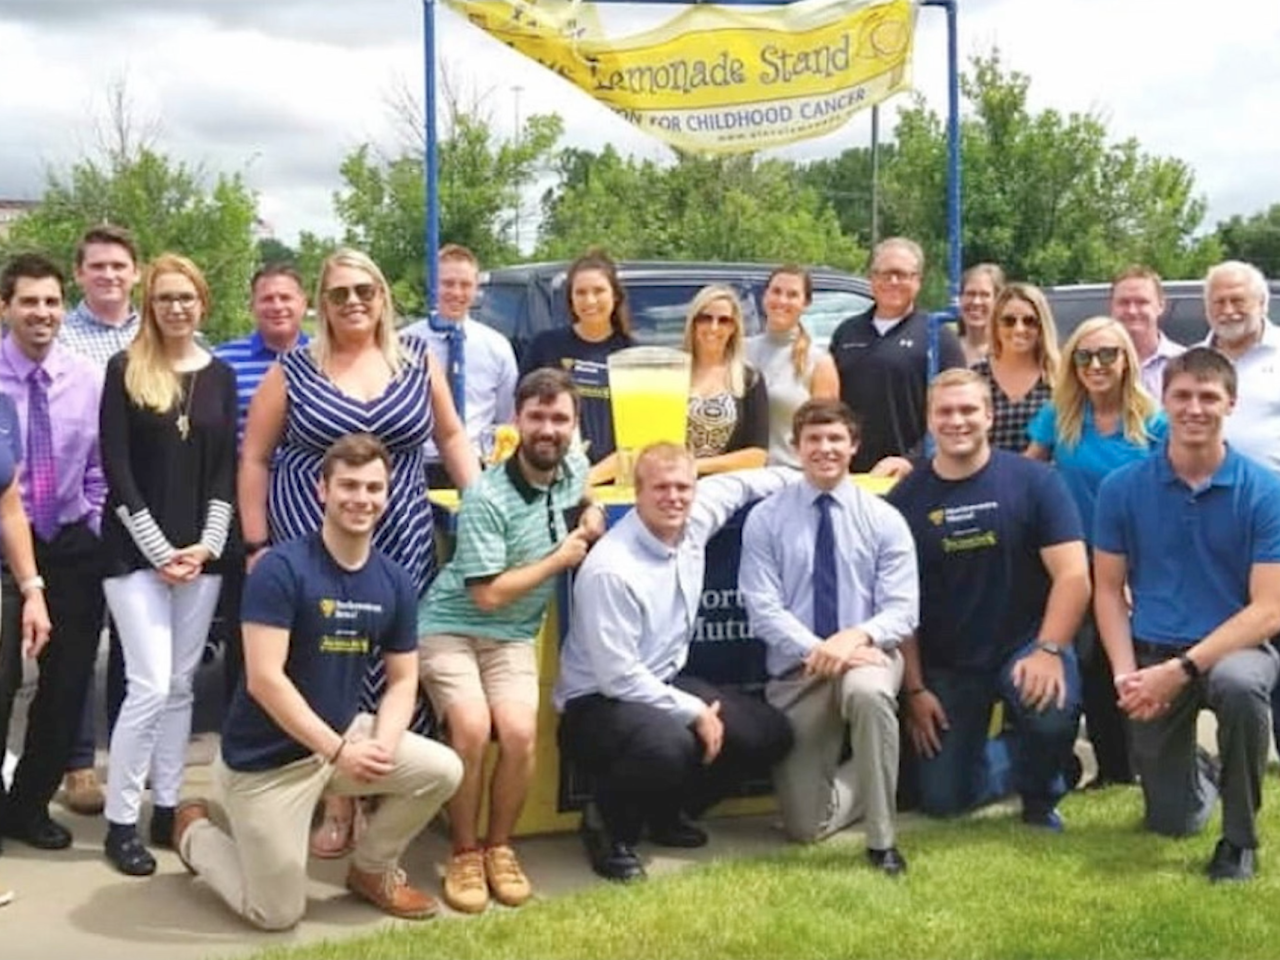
<point x="721" y="79"/>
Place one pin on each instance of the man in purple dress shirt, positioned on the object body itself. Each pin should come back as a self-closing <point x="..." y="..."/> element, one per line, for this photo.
<point x="57" y="395"/>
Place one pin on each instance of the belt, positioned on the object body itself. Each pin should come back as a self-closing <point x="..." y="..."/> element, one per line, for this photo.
<point x="1166" y="650"/>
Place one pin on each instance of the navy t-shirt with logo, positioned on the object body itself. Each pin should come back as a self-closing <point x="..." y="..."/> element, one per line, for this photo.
<point x="587" y="363"/>
<point x="335" y="618"/>
<point x="983" y="585"/>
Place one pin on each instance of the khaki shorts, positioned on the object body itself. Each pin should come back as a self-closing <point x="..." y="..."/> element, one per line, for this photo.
<point x="457" y="669"/>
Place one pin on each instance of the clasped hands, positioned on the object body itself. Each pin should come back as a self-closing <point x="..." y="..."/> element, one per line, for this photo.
<point x="185" y="564"/>
<point x="843" y="650"/>
<point x="1146" y="693"/>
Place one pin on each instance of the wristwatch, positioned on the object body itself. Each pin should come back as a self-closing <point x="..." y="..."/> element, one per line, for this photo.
<point x="31" y="583"/>
<point x="1189" y="666"/>
<point x="1049" y="647"/>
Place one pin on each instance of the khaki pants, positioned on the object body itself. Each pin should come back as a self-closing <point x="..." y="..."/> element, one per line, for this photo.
<point x="261" y="869"/>
<point x="818" y="794"/>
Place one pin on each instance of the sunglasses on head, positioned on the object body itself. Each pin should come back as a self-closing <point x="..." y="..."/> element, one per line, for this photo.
<point x="365" y="292"/>
<point x="1010" y="320"/>
<point x="1104" y="355"/>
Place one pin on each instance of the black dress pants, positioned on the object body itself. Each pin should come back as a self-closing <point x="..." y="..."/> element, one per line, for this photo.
<point x="72" y="568"/>
<point x="648" y="766"/>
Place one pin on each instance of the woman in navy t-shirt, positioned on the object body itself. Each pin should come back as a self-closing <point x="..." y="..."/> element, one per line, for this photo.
<point x="601" y="326"/>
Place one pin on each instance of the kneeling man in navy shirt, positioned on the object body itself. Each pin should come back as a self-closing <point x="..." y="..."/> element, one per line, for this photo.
<point x="313" y="610"/>
<point x="1194" y="530"/>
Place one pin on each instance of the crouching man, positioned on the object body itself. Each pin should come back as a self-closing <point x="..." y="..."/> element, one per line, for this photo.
<point x="313" y="610"/>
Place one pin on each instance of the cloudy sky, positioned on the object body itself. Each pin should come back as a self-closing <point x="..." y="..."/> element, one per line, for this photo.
<point x="281" y="90"/>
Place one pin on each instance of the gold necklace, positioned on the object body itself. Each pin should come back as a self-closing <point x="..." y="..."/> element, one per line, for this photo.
<point x="184" y="418"/>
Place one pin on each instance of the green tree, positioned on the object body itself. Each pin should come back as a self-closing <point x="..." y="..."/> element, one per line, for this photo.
<point x="1255" y="239"/>
<point x="271" y="250"/>
<point x="721" y="208"/>
<point x="169" y="206"/>
<point x="1048" y="196"/>
<point x="845" y="182"/>
<point x="383" y="203"/>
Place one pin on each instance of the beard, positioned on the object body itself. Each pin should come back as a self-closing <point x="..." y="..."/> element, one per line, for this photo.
<point x="542" y="455"/>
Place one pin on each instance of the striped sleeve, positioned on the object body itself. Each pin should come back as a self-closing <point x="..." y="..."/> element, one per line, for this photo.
<point x="147" y="535"/>
<point x="217" y="525"/>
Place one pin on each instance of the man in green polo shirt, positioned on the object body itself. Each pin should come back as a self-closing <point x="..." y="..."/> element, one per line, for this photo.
<point x="520" y="526"/>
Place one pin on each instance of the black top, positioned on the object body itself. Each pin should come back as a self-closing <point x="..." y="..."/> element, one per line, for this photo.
<point x="750" y="419"/>
<point x="884" y="380"/>
<point x="587" y="363"/>
<point x="337" y="619"/>
<point x="165" y="491"/>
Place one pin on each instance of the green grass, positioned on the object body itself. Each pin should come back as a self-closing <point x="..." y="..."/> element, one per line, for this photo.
<point x="982" y="887"/>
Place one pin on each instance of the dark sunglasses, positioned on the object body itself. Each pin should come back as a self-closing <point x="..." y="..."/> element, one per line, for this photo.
<point x="1104" y="355"/>
<point x="365" y="292"/>
<point x="1010" y="321"/>
<point x="711" y="318"/>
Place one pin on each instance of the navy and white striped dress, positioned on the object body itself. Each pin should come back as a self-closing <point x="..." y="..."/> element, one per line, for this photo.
<point x="320" y="413"/>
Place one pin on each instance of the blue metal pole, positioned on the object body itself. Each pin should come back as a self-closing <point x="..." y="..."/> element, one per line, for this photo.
<point x="431" y="161"/>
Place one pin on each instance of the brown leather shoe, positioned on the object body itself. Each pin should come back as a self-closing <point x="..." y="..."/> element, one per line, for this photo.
<point x="188" y="813"/>
<point x="82" y="793"/>
<point x="391" y="893"/>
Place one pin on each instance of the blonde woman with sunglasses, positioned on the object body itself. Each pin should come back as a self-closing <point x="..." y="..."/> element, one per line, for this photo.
<point x="1022" y="362"/>
<point x="728" y="426"/>
<point x="356" y="376"/>
<point x="1099" y="419"/>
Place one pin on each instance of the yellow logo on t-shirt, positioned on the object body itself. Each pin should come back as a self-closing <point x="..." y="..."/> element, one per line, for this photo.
<point x="327" y="607"/>
<point x="936" y="517"/>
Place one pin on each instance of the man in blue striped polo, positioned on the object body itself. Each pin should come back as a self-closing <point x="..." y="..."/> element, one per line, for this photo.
<point x="279" y="303"/>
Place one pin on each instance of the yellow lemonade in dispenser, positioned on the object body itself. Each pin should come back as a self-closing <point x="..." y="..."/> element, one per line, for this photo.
<point x="649" y="396"/>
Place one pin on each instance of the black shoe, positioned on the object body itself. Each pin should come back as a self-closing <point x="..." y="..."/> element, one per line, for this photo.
<point x="42" y="833"/>
<point x="162" y="827"/>
<point x="610" y="858"/>
<point x="889" y="861"/>
<point x="1230" y="862"/>
<point x="127" y="854"/>
<point x="678" y="831"/>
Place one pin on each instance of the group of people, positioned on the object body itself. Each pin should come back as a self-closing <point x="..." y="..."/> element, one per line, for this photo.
<point x="289" y="478"/>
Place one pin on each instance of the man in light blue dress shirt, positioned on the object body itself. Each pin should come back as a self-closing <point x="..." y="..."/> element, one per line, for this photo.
<point x="489" y="363"/>
<point x="661" y="745"/>
<point x="839" y="684"/>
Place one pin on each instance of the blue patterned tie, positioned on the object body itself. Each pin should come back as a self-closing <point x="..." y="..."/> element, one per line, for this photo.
<point x="42" y="469"/>
<point x="826" y="589"/>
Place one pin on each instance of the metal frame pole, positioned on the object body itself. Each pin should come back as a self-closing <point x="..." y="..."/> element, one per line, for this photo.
<point x="431" y="161"/>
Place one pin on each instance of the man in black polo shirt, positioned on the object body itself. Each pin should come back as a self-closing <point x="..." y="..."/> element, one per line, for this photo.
<point x="882" y="356"/>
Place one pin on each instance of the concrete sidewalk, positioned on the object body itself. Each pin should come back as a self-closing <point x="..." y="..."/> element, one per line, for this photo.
<point x="72" y="903"/>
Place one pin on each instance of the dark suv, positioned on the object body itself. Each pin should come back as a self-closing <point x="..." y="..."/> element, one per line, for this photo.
<point x="523" y="301"/>
<point x="1183" y="318"/>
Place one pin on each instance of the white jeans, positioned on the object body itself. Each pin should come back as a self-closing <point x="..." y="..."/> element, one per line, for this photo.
<point x="162" y="630"/>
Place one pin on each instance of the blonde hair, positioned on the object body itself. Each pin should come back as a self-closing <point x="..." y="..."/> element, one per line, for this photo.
<point x="665" y="453"/>
<point x="1070" y="396"/>
<point x="149" y="378"/>
<point x="736" y="350"/>
<point x="385" y="332"/>
<point x="960" y="377"/>
<point x="1047" y="343"/>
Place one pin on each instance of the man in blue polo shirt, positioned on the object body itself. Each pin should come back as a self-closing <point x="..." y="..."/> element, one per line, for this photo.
<point x="313" y="609"/>
<point x="1004" y="583"/>
<point x="1194" y="530"/>
<point x="279" y="303"/>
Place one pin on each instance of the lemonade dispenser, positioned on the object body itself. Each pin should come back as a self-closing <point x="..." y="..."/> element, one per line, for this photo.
<point x="649" y="396"/>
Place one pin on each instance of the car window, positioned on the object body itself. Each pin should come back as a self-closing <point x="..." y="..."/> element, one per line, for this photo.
<point x="658" y="311"/>
<point x="501" y="306"/>
<point x="829" y="309"/>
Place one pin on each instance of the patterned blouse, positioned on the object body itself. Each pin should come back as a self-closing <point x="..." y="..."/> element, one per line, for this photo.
<point x="1009" y="431"/>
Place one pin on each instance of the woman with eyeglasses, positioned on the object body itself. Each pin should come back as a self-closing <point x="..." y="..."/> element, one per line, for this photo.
<point x="168" y="437"/>
<point x="1100" y="418"/>
<point x="356" y="376"/>
<point x="1022" y="364"/>
<point x="601" y="326"/>
<point x="728" y="425"/>
<point x="794" y="370"/>
<point x="980" y="287"/>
